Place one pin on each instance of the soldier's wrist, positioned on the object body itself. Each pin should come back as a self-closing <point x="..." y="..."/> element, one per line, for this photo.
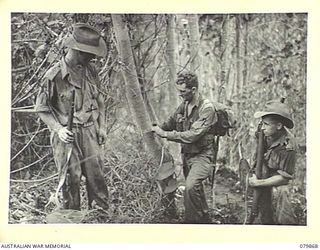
<point x="165" y="134"/>
<point x="57" y="127"/>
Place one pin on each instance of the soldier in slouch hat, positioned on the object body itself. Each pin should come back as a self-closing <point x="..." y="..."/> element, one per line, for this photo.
<point x="74" y="74"/>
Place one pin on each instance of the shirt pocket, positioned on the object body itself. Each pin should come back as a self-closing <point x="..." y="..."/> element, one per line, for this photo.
<point x="274" y="160"/>
<point x="179" y="122"/>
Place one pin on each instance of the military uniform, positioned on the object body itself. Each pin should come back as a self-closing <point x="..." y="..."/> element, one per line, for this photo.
<point x="279" y="159"/>
<point x="55" y="97"/>
<point x="193" y="132"/>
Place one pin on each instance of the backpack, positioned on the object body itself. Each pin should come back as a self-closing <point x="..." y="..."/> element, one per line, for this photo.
<point x="225" y="120"/>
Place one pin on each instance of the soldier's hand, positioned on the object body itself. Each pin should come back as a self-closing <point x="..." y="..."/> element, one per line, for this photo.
<point x="253" y="181"/>
<point x="159" y="131"/>
<point x="65" y="135"/>
<point x="102" y="136"/>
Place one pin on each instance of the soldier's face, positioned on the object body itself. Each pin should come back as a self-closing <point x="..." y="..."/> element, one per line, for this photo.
<point x="84" y="58"/>
<point x="270" y="127"/>
<point x="185" y="93"/>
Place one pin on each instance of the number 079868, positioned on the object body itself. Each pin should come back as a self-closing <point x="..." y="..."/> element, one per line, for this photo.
<point x="308" y="246"/>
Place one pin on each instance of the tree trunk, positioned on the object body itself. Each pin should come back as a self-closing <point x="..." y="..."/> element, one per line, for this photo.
<point x="171" y="52"/>
<point x="245" y="53"/>
<point x="195" y="58"/>
<point x="160" y="155"/>
<point x="133" y="92"/>
<point x="238" y="51"/>
<point x="224" y="55"/>
<point x="226" y="66"/>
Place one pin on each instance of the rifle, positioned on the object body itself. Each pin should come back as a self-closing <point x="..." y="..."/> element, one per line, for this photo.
<point x="71" y="111"/>
<point x="259" y="165"/>
<point x="211" y="177"/>
<point x="64" y="166"/>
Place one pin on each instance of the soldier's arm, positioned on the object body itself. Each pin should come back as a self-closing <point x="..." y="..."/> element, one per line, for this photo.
<point x="285" y="166"/>
<point x="50" y="121"/>
<point x="207" y="117"/>
<point x="44" y="111"/>
<point x="43" y="108"/>
<point x="276" y="180"/>
<point x="102" y="114"/>
<point x="171" y="123"/>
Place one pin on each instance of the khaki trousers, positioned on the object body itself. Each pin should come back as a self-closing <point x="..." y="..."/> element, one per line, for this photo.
<point x="196" y="169"/>
<point x="85" y="160"/>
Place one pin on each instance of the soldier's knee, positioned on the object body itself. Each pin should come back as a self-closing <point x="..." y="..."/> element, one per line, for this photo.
<point x="191" y="184"/>
<point x="75" y="177"/>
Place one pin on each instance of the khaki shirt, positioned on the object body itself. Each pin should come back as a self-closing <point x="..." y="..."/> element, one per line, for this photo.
<point x="280" y="156"/>
<point x="55" y="93"/>
<point x="192" y="130"/>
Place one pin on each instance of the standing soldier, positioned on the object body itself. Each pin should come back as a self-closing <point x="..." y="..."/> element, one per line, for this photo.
<point x="74" y="74"/>
<point x="190" y="125"/>
<point x="278" y="164"/>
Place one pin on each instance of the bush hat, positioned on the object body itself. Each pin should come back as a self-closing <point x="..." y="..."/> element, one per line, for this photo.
<point x="277" y="108"/>
<point x="87" y="39"/>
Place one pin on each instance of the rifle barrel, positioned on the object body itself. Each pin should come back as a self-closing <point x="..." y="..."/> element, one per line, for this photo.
<point x="259" y="165"/>
<point x="70" y="117"/>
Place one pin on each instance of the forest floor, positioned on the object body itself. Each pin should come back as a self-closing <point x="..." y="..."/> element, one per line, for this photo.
<point x="27" y="203"/>
<point x="229" y="203"/>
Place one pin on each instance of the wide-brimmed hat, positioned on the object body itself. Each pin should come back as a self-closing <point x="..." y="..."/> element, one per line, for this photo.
<point x="277" y="108"/>
<point x="87" y="39"/>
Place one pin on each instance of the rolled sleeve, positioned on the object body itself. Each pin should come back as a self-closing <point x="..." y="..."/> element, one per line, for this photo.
<point x="42" y="101"/>
<point x="287" y="164"/>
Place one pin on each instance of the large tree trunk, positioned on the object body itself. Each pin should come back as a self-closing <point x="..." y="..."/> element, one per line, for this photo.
<point x="133" y="92"/>
<point x="171" y="57"/>
<point x="160" y="155"/>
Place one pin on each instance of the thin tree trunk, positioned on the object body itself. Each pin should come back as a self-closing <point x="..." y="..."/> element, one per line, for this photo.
<point x="226" y="69"/>
<point x="245" y="56"/>
<point x="224" y="55"/>
<point x="238" y="51"/>
<point x="171" y="52"/>
<point x="195" y="59"/>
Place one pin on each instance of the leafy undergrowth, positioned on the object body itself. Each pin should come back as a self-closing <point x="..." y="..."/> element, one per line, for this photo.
<point x="134" y="195"/>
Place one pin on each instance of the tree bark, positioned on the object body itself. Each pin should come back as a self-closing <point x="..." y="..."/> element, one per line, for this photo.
<point x="171" y="53"/>
<point x="133" y="92"/>
<point x="160" y="154"/>
<point x="227" y="80"/>
<point x="245" y="53"/>
<point x="195" y="58"/>
<point x="238" y="51"/>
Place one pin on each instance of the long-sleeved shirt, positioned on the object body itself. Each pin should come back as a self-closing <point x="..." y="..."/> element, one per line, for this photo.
<point x="193" y="130"/>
